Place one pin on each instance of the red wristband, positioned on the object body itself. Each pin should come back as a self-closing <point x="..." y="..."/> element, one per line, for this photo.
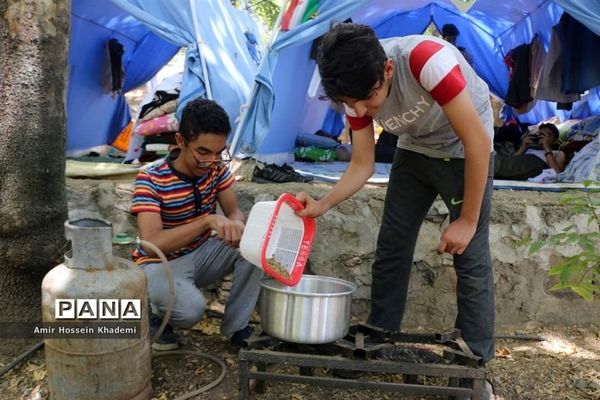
<point x="358" y="123"/>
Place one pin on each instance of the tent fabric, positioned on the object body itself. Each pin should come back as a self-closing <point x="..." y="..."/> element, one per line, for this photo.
<point x="95" y="118"/>
<point x="216" y="46"/>
<point x="256" y="120"/>
<point x="488" y="30"/>
<point x="584" y="11"/>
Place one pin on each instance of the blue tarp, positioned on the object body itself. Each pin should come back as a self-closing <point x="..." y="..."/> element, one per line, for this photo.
<point x="489" y="30"/>
<point x="93" y="117"/>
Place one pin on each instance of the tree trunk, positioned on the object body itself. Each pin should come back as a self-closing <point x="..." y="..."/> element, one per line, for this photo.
<point x="34" y="37"/>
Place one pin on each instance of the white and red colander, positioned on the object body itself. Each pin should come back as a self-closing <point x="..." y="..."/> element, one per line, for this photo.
<point x="277" y="240"/>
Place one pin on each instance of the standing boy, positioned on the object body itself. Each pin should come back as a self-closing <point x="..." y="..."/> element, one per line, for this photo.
<point x="423" y="90"/>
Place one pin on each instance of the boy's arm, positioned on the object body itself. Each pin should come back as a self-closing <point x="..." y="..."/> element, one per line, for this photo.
<point x="230" y="227"/>
<point x="467" y="125"/>
<point x="358" y="172"/>
<point x="150" y="228"/>
<point x="228" y="201"/>
<point x="555" y="161"/>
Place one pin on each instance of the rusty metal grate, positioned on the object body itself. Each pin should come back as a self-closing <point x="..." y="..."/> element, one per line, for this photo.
<point x="365" y="351"/>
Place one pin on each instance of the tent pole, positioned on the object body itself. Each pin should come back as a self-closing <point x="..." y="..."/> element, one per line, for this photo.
<point x="245" y="107"/>
<point x="200" y="44"/>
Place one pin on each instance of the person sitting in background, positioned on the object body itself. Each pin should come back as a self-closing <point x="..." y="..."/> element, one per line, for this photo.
<point x="533" y="156"/>
<point x="449" y="33"/>
<point x="175" y="202"/>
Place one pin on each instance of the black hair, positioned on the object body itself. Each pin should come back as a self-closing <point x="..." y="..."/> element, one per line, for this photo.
<point x="552" y="128"/>
<point x="450" y="30"/>
<point x="351" y="62"/>
<point x="203" y="116"/>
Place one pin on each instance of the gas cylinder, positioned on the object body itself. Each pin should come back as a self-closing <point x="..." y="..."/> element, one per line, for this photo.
<point x="96" y="368"/>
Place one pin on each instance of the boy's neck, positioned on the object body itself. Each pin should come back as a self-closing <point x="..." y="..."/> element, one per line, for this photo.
<point x="175" y="161"/>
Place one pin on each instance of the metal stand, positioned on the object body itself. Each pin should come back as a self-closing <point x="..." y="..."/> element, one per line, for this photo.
<point x="353" y="353"/>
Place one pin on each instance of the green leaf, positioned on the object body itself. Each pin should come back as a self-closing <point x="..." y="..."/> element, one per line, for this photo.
<point x="594" y="288"/>
<point x="587" y="244"/>
<point x="587" y="183"/>
<point x="560" y="286"/>
<point x="573" y="237"/>
<point x="566" y="200"/>
<point x="580" y="209"/>
<point x="588" y="295"/>
<point x="522" y="242"/>
<point x="535" y="246"/>
<point x="565" y="275"/>
<point x="556" y="270"/>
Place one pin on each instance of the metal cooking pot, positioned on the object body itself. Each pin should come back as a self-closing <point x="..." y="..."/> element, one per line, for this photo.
<point x="317" y="310"/>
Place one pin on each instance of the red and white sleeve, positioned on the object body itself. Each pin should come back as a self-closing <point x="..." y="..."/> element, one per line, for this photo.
<point x="436" y="68"/>
<point x="357" y="123"/>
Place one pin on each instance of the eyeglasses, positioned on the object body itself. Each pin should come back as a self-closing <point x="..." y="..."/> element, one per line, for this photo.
<point x="208" y="163"/>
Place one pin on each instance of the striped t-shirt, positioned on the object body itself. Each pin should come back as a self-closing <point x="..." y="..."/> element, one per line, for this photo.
<point x="178" y="198"/>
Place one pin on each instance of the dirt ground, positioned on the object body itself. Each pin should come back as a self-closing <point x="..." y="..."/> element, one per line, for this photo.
<point x="566" y="366"/>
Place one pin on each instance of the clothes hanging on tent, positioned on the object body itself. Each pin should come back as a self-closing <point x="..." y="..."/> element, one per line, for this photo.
<point x="518" y="61"/>
<point x="549" y="87"/>
<point x="538" y="55"/>
<point x="114" y="74"/>
<point x="581" y="66"/>
<point x="525" y="64"/>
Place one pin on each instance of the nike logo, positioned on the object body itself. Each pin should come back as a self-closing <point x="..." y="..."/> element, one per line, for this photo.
<point x="455" y="202"/>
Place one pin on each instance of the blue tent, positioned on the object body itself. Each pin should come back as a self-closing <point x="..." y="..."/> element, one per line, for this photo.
<point x="221" y="59"/>
<point x="94" y="117"/>
<point x="282" y="106"/>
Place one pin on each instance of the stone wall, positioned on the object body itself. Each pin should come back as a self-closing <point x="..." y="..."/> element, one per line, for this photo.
<point x="345" y="247"/>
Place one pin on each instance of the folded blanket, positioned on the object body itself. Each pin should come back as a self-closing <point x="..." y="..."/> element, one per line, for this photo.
<point x="167" y="108"/>
<point x="162" y="124"/>
<point x="159" y="98"/>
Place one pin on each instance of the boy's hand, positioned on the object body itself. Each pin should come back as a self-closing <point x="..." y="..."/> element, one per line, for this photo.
<point x="456" y="237"/>
<point x="227" y="230"/>
<point x="546" y="141"/>
<point x="529" y="139"/>
<point x="312" y="208"/>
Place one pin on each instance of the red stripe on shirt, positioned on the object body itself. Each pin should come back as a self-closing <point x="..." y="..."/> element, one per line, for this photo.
<point x="421" y="54"/>
<point x="449" y="87"/>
